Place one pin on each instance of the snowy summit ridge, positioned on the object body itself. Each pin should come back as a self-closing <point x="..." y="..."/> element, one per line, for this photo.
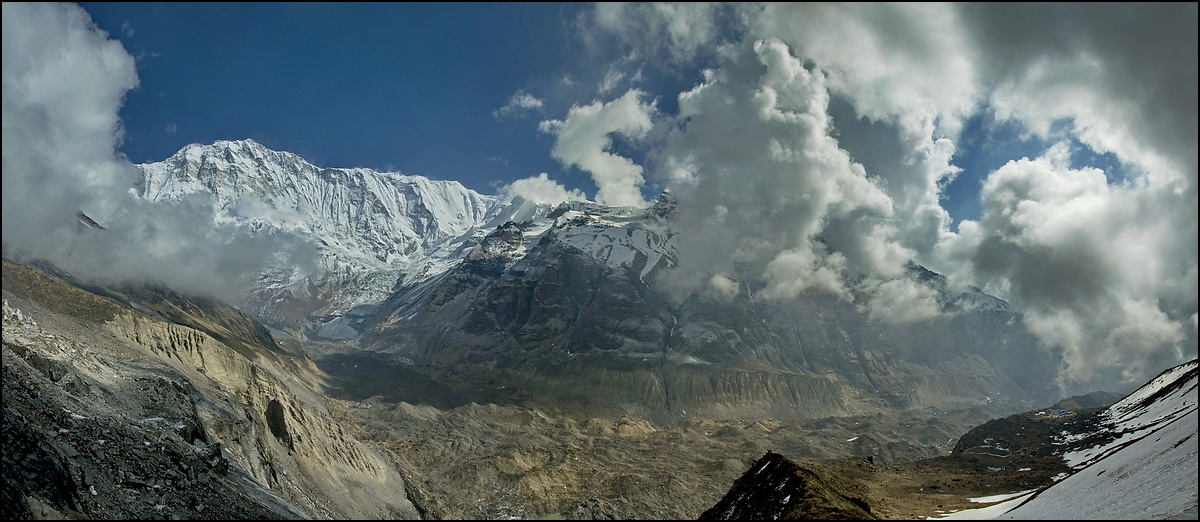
<point x="375" y="231"/>
<point x="370" y="228"/>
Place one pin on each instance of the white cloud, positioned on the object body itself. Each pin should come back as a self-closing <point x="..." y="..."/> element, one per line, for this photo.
<point x="612" y="77"/>
<point x="63" y="83"/>
<point x="722" y="286"/>
<point x="584" y="140"/>
<point x="900" y="300"/>
<point x="792" y="272"/>
<point x="835" y="137"/>
<point x="521" y="101"/>
<point x="542" y="189"/>
<point x="1124" y="75"/>
<point x="895" y="62"/>
<point x="905" y="69"/>
<point x="765" y="193"/>
<point x="1105" y="272"/>
<point x="671" y="30"/>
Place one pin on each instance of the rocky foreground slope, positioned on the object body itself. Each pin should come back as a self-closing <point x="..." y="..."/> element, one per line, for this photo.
<point x="142" y="403"/>
<point x="164" y="405"/>
<point x="135" y="401"/>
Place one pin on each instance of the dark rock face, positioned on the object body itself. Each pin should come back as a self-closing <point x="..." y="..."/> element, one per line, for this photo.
<point x="64" y="459"/>
<point x="567" y="328"/>
<point x="775" y="488"/>
<point x="169" y="407"/>
<point x="277" y="423"/>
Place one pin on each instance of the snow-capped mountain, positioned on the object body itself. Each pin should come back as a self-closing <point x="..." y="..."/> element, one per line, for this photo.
<point x="374" y="231"/>
<point x="371" y="229"/>
<point x="432" y="273"/>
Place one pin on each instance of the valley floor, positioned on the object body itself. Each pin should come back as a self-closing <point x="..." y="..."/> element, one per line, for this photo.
<point x="488" y="461"/>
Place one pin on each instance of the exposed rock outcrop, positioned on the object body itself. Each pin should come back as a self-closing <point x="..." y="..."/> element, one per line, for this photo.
<point x="143" y="417"/>
<point x="776" y="488"/>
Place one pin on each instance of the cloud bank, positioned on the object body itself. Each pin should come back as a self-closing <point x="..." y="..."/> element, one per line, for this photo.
<point x="64" y="82"/>
<point x="815" y="151"/>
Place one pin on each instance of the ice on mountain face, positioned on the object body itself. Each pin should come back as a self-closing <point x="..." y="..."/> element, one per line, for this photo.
<point x="371" y="228"/>
<point x="618" y="236"/>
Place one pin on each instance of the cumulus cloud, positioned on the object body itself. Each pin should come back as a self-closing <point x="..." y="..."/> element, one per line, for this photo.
<point x="521" y="101"/>
<point x="815" y="151"/>
<point x="895" y="62"/>
<point x="765" y="192"/>
<point x="585" y="140"/>
<point x="1102" y="270"/>
<point x="542" y="189"/>
<point x="674" y="31"/>
<point x="1125" y="75"/>
<point x="900" y="300"/>
<point x="64" y="82"/>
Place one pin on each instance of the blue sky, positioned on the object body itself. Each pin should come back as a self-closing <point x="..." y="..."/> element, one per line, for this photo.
<point x="414" y="87"/>
<point x="1043" y="152"/>
<point x="408" y="87"/>
<point x="411" y="87"/>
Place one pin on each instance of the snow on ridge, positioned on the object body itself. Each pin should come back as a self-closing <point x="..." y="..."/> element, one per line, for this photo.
<point x="1153" y="477"/>
<point x="1147" y="472"/>
<point x="370" y="227"/>
<point x="1131" y="409"/>
<point x="618" y="236"/>
<point x="1165" y="399"/>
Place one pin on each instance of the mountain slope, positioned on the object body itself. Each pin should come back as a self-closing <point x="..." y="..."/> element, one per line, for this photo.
<point x="551" y="300"/>
<point x="546" y="305"/>
<point x="153" y="404"/>
<point x="370" y="228"/>
<point x="1147" y="470"/>
<point x="1135" y="459"/>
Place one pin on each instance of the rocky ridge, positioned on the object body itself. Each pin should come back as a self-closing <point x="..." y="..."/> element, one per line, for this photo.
<point x="136" y="417"/>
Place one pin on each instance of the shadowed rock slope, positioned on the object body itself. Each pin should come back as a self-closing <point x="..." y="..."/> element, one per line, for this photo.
<point x="143" y="403"/>
<point x="799" y="493"/>
<point x="545" y="311"/>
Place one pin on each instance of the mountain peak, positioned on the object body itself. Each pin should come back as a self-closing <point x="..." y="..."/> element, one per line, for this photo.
<point x="367" y="226"/>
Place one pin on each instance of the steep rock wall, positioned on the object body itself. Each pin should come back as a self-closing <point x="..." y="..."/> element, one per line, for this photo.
<point x="282" y="434"/>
